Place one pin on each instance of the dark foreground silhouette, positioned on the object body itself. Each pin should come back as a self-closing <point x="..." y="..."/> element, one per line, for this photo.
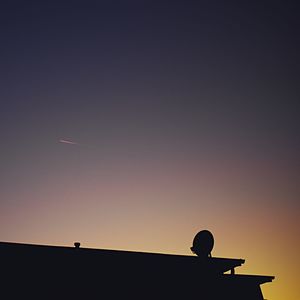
<point x="50" y="272"/>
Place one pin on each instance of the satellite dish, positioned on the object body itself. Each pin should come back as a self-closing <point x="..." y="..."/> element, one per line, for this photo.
<point x="203" y="243"/>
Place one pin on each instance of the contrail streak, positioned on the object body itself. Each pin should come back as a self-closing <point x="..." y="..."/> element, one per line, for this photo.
<point x="68" y="142"/>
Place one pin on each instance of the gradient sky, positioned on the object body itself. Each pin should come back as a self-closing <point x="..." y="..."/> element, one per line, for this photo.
<point x="183" y="116"/>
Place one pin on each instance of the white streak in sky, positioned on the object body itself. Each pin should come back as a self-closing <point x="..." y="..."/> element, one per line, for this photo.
<point x="68" y="142"/>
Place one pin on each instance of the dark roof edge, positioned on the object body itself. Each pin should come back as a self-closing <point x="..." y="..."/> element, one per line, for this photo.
<point x="261" y="279"/>
<point x="238" y="261"/>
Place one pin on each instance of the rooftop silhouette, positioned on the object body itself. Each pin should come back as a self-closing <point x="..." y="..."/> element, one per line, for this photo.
<point x="39" y="271"/>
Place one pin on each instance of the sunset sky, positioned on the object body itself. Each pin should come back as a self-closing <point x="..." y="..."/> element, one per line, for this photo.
<point x="135" y="124"/>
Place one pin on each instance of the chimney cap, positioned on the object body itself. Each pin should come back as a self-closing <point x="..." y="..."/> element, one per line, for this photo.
<point x="77" y="245"/>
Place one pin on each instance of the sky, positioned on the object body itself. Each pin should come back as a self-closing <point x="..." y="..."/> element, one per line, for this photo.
<point x="135" y="124"/>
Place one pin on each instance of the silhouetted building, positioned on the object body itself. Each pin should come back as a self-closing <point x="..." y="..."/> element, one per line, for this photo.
<point x="50" y="272"/>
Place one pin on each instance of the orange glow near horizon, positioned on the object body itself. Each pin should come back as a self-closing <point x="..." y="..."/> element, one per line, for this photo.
<point x="147" y="212"/>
